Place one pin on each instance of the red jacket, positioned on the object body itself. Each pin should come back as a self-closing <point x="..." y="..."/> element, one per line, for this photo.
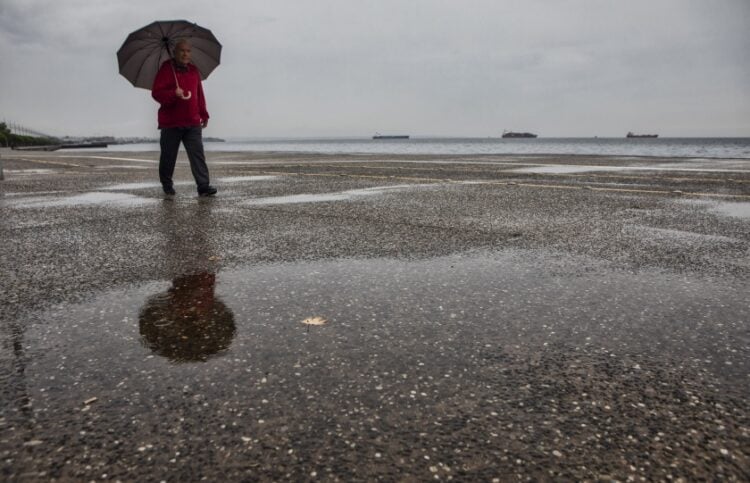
<point x="176" y="112"/>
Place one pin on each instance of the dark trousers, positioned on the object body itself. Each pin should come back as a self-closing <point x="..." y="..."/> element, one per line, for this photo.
<point x="192" y="138"/>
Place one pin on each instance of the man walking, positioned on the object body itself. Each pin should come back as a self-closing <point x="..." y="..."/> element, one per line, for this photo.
<point x="182" y="117"/>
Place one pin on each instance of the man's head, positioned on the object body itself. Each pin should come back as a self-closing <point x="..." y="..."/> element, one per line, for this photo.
<point x="182" y="52"/>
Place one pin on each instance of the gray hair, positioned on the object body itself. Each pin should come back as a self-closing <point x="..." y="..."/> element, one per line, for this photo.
<point x="180" y="42"/>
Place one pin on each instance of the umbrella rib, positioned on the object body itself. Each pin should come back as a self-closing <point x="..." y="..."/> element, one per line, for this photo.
<point x="158" y="64"/>
<point x="158" y="57"/>
<point x="138" y="72"/>
<point x="181" y="31"/>
<point x="202" y="51"/>
<point x="164" y="35"/>
<point x="161" y="29"/>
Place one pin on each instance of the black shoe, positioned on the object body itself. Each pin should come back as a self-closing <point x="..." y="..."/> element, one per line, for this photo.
<point x="169" y="191"/>
<point x="207" y="191"/>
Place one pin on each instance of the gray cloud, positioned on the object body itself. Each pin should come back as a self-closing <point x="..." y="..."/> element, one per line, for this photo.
<point x="449" y="67"/>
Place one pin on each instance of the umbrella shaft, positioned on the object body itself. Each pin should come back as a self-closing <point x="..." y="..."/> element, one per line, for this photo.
<point x="175" y="75"/>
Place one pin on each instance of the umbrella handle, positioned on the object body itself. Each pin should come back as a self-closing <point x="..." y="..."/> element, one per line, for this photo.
<point x="189" y="94"/>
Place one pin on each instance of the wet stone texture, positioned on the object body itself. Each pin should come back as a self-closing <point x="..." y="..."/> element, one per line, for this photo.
<point x="480" y="323"/>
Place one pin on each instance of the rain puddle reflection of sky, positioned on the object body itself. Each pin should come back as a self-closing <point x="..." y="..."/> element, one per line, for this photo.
<point x="85" y="199"/>
<point x="735" y="209"/>
<point x="28" y="172"/>
<point x="688" y="166"/>
<point x="688" y="238"/>
<point x="241" y="179"/>
<point x="121" y="166"/>
<point x="739" y="210"/>
<point x="152" y="185"/>
<point x="224" y="358"/>
<point x="251" y="317"/>
<point x="139" y="186"/>
<point x="105" y="195"/>
<point x="335" y="196"/>
<point x="562" y="169"/>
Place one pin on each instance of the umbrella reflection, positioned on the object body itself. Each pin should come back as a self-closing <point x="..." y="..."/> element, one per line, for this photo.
<point x="188" y="322"/>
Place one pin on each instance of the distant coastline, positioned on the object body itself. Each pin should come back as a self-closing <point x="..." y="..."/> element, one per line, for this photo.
<point x="718" y="148"/>
<point x="114" y="140"/>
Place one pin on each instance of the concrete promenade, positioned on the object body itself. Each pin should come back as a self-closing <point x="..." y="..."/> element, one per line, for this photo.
<point x="507" y="318"/>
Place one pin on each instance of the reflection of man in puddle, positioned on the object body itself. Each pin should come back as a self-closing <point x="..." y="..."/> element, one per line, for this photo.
<point x="187" y="323"/>
<point x="185" y="242"/>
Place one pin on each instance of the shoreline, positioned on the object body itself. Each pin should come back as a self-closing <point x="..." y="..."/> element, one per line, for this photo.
<point x="724" y="148"/>
<point x="83" y="153"/>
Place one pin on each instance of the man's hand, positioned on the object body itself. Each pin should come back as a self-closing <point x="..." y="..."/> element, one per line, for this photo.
<point x="204" y="123"/>
<point x="179" y="92"/>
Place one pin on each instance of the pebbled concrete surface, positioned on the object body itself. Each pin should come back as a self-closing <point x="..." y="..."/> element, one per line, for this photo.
<point x="488" y="317"/>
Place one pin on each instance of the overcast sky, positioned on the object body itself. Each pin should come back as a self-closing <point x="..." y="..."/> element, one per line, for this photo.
<point x="331" y="68"/>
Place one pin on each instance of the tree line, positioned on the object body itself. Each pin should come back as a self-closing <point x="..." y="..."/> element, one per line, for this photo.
<point x="10" y="140"/>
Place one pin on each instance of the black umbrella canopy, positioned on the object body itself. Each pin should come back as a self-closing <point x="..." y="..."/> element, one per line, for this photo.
<point x="147" y="48"/>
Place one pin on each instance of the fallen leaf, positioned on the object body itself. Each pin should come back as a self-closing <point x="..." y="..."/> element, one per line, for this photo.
<point x="314" y="321"/>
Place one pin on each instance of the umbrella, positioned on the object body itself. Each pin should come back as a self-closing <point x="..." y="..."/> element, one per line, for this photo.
<point x="147" y="48"/>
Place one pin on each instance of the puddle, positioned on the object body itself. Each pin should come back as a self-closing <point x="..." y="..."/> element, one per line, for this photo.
<point x="571" y="169"/>
<point x="738" y="209"/>
<point x="86" y="199"/>
<point x="32" y="193"/>
<point x="688" y="238"/>
<point x="156" y="184"/>
<point x="28" y="172"/>
<point x="131" y="186"/>
<point x="270" y="361"/>
<point x="336" y="196"/>
<point x="567" y="169"/>
<point x="121" y="167"/>
<point x="37" y="224"/>
<point x="240" y="179"/>
<point x="25" y="200"/>
<point x="110" y="158"/>
<point x="706" y="165"/>
<point x="141" y="186"/>
<point x="392" y="309"/>
<point x="304" y="198"/>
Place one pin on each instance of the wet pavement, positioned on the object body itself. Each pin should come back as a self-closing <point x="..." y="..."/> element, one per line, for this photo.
<point x="486" y="317"/>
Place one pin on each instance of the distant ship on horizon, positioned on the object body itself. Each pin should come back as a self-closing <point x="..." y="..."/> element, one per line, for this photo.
<point x="390" y="136"/>
<point x="511" y="134"/>
<point x="631" y="135"/>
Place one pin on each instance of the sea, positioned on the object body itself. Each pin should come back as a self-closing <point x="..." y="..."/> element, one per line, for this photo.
<point x="719" y="148"/>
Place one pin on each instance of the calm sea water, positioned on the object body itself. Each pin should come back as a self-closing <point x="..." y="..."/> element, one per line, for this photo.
<point x="665" y="147"/>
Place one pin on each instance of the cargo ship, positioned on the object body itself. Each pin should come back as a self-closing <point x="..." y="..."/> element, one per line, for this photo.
<point x="396" y="136"/>
<point x="511" y="134"/>
<point x="631" y="135"/>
